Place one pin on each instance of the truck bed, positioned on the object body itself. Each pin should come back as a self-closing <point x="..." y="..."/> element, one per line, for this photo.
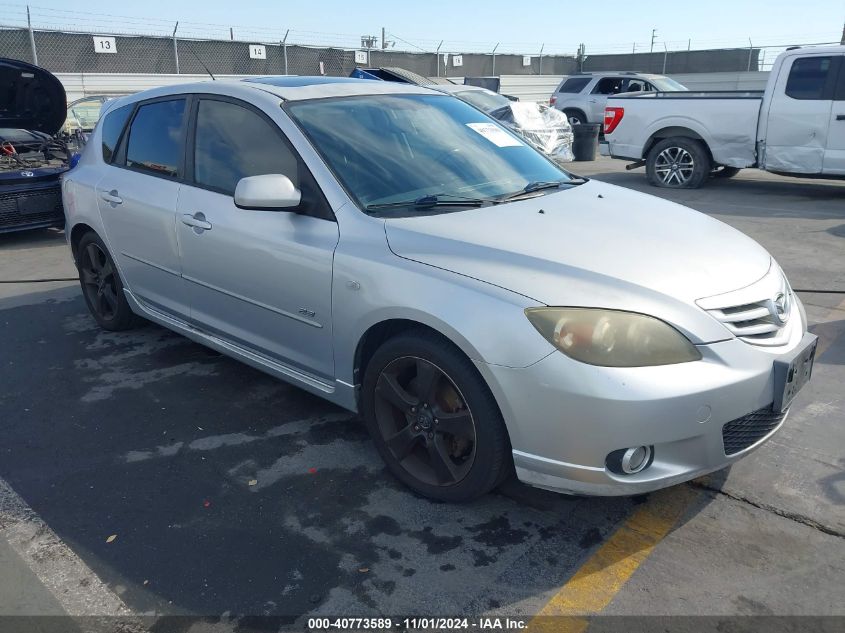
<point x="725" y="119"/>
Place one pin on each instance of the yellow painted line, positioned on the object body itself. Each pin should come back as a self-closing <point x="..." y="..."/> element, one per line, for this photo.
<point x="601" y="577"/>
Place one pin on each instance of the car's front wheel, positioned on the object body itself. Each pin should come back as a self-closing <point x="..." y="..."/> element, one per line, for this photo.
<point x="102" y="286"/>
<point x="433" y="419"/>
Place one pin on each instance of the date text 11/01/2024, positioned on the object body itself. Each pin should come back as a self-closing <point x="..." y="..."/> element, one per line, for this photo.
<point x="417" y="624"/>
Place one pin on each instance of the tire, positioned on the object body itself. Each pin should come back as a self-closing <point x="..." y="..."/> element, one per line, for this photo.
<point x="576" y="117"/>
<point x="678" y="163"/>
<point x="102" y="287"/>
<point x="726" y="172"/>
<point x="412" y="437"/>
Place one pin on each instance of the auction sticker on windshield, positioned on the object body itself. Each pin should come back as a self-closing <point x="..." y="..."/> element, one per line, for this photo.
<point x="495" y="134"/>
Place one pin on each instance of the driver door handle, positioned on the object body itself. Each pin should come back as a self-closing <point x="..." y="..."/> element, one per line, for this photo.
<point x="840" y="117"/>
<point x="111" y="197"/>
<point x="197" y="220"/>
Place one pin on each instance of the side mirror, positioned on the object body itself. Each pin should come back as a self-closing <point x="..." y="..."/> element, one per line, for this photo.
<point x="270" y="191"/>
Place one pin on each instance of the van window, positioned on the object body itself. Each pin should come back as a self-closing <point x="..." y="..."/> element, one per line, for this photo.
<point x="155" y="138"/>
<point x="113" y="125"/>
<point x="574" y="85"/>
<point x="233" y="142"/>
<point x="808" y="78"/>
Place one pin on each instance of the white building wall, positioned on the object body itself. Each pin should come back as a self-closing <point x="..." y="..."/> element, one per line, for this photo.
<point x="527" y="87"/>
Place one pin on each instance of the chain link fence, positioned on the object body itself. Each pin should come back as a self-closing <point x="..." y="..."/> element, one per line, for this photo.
<point x="89" y="52"/>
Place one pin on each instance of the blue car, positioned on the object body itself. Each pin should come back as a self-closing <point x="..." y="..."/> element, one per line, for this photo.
<point x="32" y="158"/>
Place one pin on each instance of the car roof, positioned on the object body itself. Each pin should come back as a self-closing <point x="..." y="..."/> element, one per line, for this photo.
<point x="459" y="88"/>
<point x="804" y="50"/>
<point x="318" y="87"/>
<point x="285" y="87"/>
<point x="611" y="73"/>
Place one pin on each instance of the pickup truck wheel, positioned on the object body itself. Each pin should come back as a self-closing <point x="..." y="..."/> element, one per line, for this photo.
<point x="726" y="172"/>
<point x="433" y="419"/>
<point x="102" y="286"/>
<point x="678" y="163"/>
<point x="576" y="117"/>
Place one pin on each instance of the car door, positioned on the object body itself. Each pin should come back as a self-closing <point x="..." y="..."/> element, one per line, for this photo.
<point x="799" y="115"/>
<point x="596" y="102"/>
<point x="834" y="155"/>
<point x="137" y="197"/>
<point x="260" y="279"/>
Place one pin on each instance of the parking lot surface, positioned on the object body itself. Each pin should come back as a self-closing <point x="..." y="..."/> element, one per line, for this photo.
<point x="141" y="473"/>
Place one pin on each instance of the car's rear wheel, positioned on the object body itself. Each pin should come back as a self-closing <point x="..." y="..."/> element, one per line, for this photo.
<point x="678" y="163"/>
<point x="576" y="117"/>
<point x="101" y="285"/>
<point x="433" y="419"/>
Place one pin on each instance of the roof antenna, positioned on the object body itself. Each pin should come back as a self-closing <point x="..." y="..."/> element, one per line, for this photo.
<point x="193" y="52"/>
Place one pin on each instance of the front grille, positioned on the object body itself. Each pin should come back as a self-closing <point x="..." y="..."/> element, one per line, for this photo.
<point x="24" y="208"/>
<point x="752" y="322"/>
<point x="741" y="433"/>
<point x="761" y="314"/>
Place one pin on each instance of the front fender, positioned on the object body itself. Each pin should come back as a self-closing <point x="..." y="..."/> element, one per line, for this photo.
<point x="486" y="322"/>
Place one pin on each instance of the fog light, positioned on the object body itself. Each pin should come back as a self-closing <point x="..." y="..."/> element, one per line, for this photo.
<point x="629" y="461"/>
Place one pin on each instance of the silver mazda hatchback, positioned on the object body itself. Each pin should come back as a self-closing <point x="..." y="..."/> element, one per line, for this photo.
<point x="399" y="253"/>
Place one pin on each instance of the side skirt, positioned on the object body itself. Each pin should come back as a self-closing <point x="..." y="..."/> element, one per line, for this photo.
<point x="338" y="392"/>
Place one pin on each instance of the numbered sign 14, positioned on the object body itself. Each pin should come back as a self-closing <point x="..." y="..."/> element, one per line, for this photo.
<point x="104" y="44"/>
<point x="257" y="51"/>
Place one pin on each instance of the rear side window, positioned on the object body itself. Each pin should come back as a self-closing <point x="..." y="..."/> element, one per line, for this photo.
<point x="233" y="142"/>
<point x="574" y="85"/>
<point x="609" y="86"/>
<point x="113" y="125"/>
<point x="155" y="138"/>
<point x="808" y="78"/>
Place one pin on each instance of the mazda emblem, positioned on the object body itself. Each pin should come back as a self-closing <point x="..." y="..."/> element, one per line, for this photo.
<point x="781" y="307"/>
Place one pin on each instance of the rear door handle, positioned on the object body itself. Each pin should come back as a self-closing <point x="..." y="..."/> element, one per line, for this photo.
<point x="111" y="197"/>
<point x="840" y="117"/>
<point x="197" y="220"/>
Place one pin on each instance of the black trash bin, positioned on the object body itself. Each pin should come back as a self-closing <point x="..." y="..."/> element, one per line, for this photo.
<point x="585" y="140"/>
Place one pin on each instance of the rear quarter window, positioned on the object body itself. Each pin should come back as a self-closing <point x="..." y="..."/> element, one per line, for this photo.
<point x="808" y="78"/>
<point x="113" y="125"/>
<point x="574" y="85"/>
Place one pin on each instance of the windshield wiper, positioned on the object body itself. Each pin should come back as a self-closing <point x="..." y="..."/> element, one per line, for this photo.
<point x="540" y="185"/>
<point x="433" y="200"/>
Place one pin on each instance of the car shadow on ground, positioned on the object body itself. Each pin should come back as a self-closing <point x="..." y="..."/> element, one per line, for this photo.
<point x="230" y="491"/>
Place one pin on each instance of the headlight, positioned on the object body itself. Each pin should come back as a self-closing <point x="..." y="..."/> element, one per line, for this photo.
<point x="611" y="338"/>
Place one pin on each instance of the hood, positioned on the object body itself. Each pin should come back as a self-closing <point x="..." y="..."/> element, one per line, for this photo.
<point x="594" y="245"/>
<point x="30" y="98"/>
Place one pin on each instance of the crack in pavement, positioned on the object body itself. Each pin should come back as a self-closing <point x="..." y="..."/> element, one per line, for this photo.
<point x="792" y="516"/>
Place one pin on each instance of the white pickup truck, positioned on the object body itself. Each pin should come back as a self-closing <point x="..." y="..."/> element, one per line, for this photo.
<point x="795" y="127"/>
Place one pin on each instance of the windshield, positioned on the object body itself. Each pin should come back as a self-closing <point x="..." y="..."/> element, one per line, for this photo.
<point x="664" y="84"/>
<point x="388" y="149"/>
<point x="483" y="99"/>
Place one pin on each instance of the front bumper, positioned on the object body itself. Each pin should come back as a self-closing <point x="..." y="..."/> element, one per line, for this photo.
<point x="565" y="417"/>
<point x="30" y="205"/>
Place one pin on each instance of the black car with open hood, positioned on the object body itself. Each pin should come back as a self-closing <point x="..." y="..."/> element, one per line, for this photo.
<point x="32" y="158"/>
